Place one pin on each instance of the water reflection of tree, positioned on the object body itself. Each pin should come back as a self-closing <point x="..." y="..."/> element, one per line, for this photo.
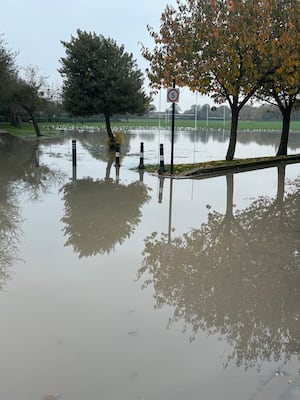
<point x="101" y="213"/>
<point x="10" y="231"/>
<point x="19" y="164"/>
<point x="237" y="276"/>
<point x="95" y="144"/>
<point x="20" y="173"/>
<point x="247" y="138"/>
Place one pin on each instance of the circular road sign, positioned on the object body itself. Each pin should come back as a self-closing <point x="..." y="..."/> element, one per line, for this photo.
<point x="173" y="95"/>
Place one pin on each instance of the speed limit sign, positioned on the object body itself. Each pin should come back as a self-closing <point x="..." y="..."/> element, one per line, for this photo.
<point x="173" y="95"/>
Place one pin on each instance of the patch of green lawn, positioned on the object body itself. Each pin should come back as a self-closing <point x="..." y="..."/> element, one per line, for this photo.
<point x="181" y="169"/>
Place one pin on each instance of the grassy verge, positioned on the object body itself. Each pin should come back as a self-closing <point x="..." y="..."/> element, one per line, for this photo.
<point x="55" y="128"/>
<point x="183" y="169"/>
<point x="27" y="131"/>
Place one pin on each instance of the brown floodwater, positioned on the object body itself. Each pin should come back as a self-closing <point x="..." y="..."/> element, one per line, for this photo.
<point x="119" y="285"/>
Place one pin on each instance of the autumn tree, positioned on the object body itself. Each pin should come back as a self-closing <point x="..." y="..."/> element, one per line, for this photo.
<point x="283" y="87"/>
<point x="221" y="48"/>
<point x="100" y="77"/>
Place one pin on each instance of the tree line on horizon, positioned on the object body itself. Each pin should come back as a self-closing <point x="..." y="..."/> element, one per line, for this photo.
<point x="235" y="51"/>
<point x="262" y="112"/>
<point x="99" y="77"/>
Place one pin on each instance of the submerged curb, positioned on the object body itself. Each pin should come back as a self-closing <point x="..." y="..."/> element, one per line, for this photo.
<point x="241" y="167"/>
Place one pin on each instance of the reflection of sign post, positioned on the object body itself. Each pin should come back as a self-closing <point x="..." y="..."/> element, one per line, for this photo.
<point x="172" y="97"/>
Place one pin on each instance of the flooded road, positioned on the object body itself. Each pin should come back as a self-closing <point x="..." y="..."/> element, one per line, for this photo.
<point x="120" y="285"/>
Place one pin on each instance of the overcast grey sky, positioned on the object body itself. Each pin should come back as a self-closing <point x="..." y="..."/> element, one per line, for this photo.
<point x="35" y="29"/>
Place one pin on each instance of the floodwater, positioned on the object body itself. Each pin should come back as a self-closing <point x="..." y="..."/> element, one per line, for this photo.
<point x="118" y="285"/>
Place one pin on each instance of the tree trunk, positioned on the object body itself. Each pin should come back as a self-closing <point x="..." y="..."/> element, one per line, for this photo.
<point x="36" y="126"/>
<point x="34" y="121"/>
<point x="286" y="119"/>
<point x="111" y="137"/>
<point x="14" y="119"/>
<point x="233" y="133"/>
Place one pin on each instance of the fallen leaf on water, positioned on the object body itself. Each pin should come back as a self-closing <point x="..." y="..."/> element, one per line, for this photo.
<point x="52" y="396"/>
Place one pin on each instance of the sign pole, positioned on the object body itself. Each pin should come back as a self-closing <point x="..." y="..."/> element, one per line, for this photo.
<point x="173" y="129"/>
<point x="172" y="97"/>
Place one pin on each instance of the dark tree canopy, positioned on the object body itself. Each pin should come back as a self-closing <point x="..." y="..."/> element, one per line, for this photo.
<point x="7" y="68"/>
<point x="27" y="94"/>
<point x="100" y="77"/>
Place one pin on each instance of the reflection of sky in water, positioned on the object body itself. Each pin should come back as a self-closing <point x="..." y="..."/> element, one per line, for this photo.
<point x="83" y="328"/>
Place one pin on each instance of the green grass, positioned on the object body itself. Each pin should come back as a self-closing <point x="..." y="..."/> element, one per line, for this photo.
<point x="179" y="169"/>
<point x="180" y="123"/>
<point x="53" y="129"/>
<point x="27" y="131"/>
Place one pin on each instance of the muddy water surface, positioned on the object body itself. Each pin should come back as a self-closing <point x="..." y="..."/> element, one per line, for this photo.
<point x="120" y="285"/>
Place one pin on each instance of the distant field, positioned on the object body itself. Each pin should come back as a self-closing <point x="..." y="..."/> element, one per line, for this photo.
<point x="52" y="128"/>
<point x="180" y="123"/>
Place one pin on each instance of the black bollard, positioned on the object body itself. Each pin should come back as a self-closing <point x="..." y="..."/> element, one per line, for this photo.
<point x="161" y="160"/>
<point x="117" y="148"/>
<point x="74" y="155"/>
<point x="142" y="166"/>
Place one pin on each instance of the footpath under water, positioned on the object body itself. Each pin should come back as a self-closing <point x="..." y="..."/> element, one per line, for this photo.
<point x="118" y="284"/>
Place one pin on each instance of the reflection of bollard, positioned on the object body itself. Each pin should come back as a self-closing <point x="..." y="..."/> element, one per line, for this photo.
<point x="117" y="154"/>
<point x="37" y="156"/>
<point x="117" y="174"/>
<point x="74" y="174"/>
<point x="161" y="159"/>
<point x="161" y="188"/>
<point x="74" y="156"/>
<point x="142" y="176"/>
<point x="142" y="166"/>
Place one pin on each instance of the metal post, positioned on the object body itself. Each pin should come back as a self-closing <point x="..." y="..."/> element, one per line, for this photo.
<point x="173" y="129"/>
<point x="117" y="148"/>
<point x="74" y="155"/>
<point x="170" y="211"/>
<point x="142" y="166"/>
<point x="196" y="112"/>
<point x="161" y="160"/>
<point x="207" y="107"/>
